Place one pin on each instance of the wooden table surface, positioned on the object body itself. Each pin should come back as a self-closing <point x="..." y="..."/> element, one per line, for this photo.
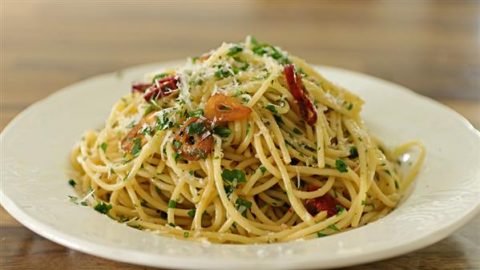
<point x="430" y="47"/>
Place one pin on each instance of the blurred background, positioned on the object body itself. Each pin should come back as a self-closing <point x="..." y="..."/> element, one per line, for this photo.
<point x="431" y="47"/>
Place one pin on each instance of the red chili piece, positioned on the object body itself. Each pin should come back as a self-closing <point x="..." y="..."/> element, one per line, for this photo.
<point x="323" y="203"/>
<point x="300" y="94"/>
<point x="161" y="88"/>
<point x="140" y="87"/>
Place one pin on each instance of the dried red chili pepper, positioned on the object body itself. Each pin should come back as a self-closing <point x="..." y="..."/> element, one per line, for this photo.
<point x="323" y="203"/>
<point x="305" y="106"/>
<point x="140" y="87"/>
<point x="161" y="88"/>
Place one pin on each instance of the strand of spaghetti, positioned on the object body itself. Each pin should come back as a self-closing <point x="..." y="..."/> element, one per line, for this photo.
<point x="317" y="193"/>
<point x="232" y="212"/>
<point x="319" y="130"/>
<point x="173" y="199"/>
<point x="263" y="187"/>
<point x="359" y="138"/>
<point x="416" y="166"/>
<point x="295" y="203"/>
<point x="219" y="215"/>
<point x="263" y="159"/>
<point x="277" y="134"/>
<point x="259" y="214"/>
<point x="274" y="70"/>
<point x="197" y="220"/>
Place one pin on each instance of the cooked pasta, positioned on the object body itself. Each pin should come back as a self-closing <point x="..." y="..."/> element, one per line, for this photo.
<point x="244" y="144"/>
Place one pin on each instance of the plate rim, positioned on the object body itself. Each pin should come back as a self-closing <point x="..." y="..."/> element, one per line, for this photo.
<point x="174" y="261"/>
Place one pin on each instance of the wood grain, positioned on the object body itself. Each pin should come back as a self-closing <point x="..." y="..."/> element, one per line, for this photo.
<point x="430" y="47"/>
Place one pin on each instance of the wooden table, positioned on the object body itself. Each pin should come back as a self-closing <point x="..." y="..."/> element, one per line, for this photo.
<point x="431" y="47"/>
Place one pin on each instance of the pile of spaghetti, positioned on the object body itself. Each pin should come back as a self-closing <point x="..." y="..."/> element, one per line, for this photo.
<point x="244" y="144"/>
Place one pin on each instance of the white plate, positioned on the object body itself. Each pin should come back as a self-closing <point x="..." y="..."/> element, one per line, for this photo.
<point x="34" y="189"/>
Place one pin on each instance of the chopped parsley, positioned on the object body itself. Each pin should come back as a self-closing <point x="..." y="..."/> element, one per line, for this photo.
<point x="137" y="146"/>
<point x="263" y="169"/>
<point x="397" y="185"/>
<point x="320" y="234"/>
<point x="176" y="156"/>
<point x="163" y="123"/>
<point x="244" y="66"/>
<point x="271" y="108"/>
<point x="231" y="178"/>
<point x="269" y="50"/>
<point x="72" y="182"/>
<point x="104" y="146"/>
<point x="159" y="76"/>
<point x="242" y="205"/>
<point x="191" y="213"/>
<point x="196" y="128"/>
<point x="278" y="119"/>
<point x="222" y="73"/>
<point x="297" y="131"/>
<point x="196" y="113"/>
<point x="341" y="166"/>
<point x="234" y="50"/>
<point x="368" y="204"/>
<point x="147" y="130"/>
<point x="172" y="204"/>
<point x="223" y="132"/>
<point x="340" y="209"/>
<point x="103" y="207"/>
<point x="333" y="227"/>
<point x="186" y="234"/>
<point x="177" y="144"/>
<point x="353" y="152"/>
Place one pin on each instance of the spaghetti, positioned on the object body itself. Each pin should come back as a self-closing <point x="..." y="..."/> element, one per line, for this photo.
<point x="244" y="144"/>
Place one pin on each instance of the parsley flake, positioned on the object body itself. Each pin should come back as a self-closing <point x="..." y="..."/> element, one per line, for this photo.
<point x="320" y="234"/>
<point x="234" y="50"/>
<point x="104" y="146"/>
<point x="159" y="76"/>
<point x="233" y="176"/>
<point x="340" y="209"/>
<point x="242" y="205"/>
<point x="196" y="113"/>
<point x="137" y="146"/>
<point x="223" y="132"/>
<point x="177" y="144"/>
<point x="172" y="204"/>
<point x="271" y="108"/>
<point x="72" y="182"/>
<point x="196" y="128"/>
<point x="333" y="227"/>
<point x="353" y="152"/>
<point x="341" y="166"/>
<point x="102" y="207"/>
<point x="191" y="213"/>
